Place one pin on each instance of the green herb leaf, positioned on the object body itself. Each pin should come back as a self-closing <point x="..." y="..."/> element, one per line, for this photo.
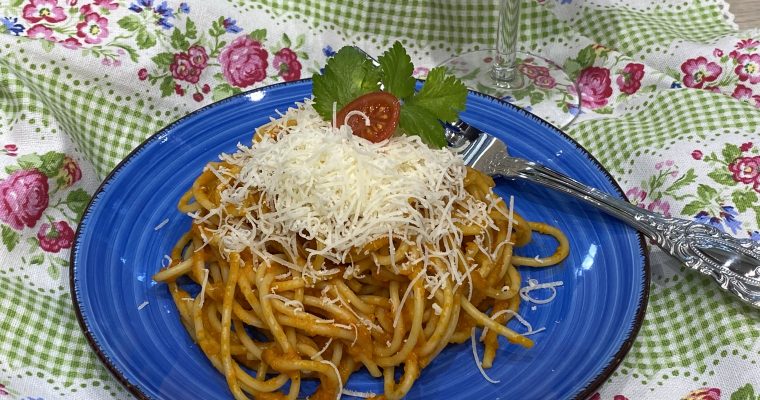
<point x="417" y="120"/>
<point x="347" y="75"/>
<point x="350" y="74"/>
<point x="10" y="237"/>
<point x="396" y="67"/>
<point x="441" y="95"/>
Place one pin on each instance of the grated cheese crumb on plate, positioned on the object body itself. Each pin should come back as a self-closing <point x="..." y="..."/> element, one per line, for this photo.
<point x="161" y="224"/>
<point x="142" y="305"/>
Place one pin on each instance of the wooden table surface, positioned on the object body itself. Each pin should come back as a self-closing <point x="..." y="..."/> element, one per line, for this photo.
<point x="747" y="13"/>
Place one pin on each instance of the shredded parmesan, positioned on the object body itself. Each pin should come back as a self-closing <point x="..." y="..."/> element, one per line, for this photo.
<point x="337" y="373"/>
<point x="292" y="303"/>
<point x="319" y="353"/>
<point x="142" y="305"/>
<point x="437" y="309"/>
<point x="359" y="113"/>
<point x="519" y="318"/>
<point x="510" y="218"/>
<point x="363" y="395"/>
<point x="203" y="287"/>
<point x="406" y="294"/>
<point x="322" y="183"/>
<point x="161" y="225"/>
<point x="479" y="363"/>
<point x="534" y="285"/>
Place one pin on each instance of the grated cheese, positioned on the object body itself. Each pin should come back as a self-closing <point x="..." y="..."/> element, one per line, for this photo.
<point x="203" y="287"/>
<point x="292" y="303"/>
<point x="337" y="373"/>
<point x="479" y="363"/>
<point x="324" y="184"/>
<point x="142" y="305"/>
<point x="364" y="395"/>
<point x="319" y="353"/>
<point x="161" y="225"/>
<point x="406" y="294"/>
<point x="359" y="113"/>
<point x="519" y="317"/>
<point x="534" y="285"/>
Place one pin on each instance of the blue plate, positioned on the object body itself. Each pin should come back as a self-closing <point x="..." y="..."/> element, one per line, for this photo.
<point x="590" y="325"/>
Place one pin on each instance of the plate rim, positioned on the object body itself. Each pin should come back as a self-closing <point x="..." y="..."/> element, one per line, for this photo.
<point x="135" y="390"/>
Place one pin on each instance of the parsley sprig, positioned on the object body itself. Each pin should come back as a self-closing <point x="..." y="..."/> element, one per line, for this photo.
<point x="350" y="74"/>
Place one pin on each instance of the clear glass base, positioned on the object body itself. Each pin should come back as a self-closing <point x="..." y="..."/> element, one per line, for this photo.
<point x="539" y="86"/>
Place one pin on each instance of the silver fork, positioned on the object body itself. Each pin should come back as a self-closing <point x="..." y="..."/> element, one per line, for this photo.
<point x="733" y="263"/>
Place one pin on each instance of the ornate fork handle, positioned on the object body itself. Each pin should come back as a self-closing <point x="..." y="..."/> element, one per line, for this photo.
<point x="733" y="263"/>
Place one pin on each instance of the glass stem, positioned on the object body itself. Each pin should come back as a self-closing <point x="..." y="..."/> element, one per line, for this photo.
<point x="504" y="70"/>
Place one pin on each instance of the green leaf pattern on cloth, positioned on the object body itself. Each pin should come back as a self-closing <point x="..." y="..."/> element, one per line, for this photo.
<point x="670" y="93"/>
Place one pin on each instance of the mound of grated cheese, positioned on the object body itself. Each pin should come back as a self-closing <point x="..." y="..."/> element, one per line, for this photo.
<point x="326" y="184"/>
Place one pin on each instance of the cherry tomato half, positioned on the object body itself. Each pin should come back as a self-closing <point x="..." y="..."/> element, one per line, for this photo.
<point x="383" y="110"/>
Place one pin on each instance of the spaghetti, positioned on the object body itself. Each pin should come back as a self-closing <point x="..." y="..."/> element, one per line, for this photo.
<point x="353" y="255"/>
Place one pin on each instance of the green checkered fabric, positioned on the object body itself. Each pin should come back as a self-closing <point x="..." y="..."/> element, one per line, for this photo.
<point x="105" y="131"/>
<point x="40" y="330"/>
<point x="681" y="113"/>
<point x="457" y="23"/>
<point x="688" y="321"/>
<point x="634" y="30"/>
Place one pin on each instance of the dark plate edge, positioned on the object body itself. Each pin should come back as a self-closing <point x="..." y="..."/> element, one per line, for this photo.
<point x="134" y="390"/>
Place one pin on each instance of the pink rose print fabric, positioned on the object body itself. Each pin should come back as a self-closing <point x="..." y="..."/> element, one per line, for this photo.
<point x="595" y="87"/>
<point x="23" y="198"/>
<point x="629" y="80"/>
<point x="244" y="62"/>
<point x="286" y="62"/>
<point x="56" y="236"/>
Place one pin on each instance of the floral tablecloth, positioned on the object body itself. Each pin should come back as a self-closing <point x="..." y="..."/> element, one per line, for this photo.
<point x="670" y="105"/>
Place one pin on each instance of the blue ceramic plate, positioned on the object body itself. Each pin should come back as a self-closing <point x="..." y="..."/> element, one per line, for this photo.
<point x="590" y="325"/>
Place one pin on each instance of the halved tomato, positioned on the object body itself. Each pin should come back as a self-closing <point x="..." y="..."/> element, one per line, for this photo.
<point x="382" y="109"/>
